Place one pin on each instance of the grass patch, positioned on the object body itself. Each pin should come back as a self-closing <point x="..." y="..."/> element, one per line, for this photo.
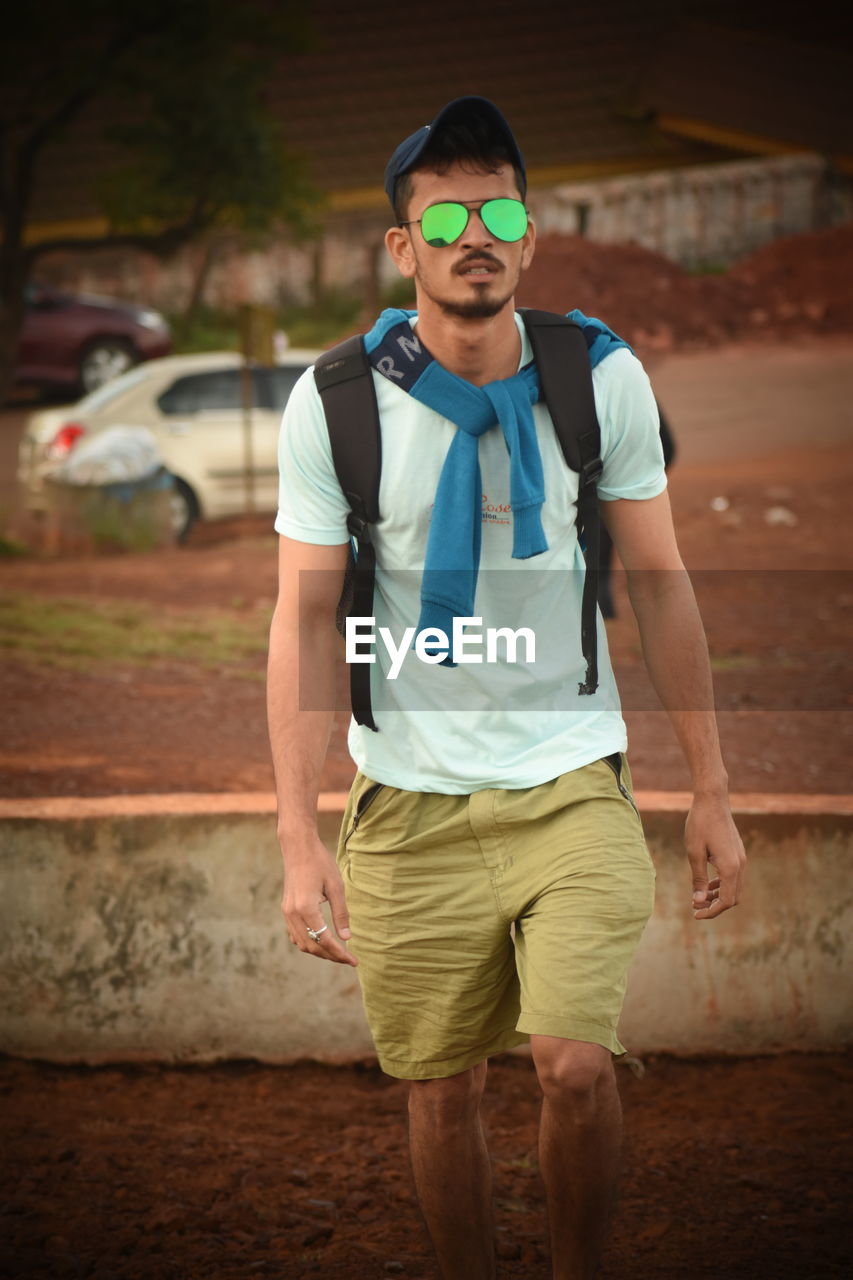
<point x="318" y="324"/>
<point x="400" y="294"/>
<point x="734" y="662"/>
<point x="84" y="635"/>
<point x="10" y="547"/>
<point x="709" y="268"/>
<point x="754" y="662"/>
<point x="212" y="329"/>
<point x="313" y="324"/>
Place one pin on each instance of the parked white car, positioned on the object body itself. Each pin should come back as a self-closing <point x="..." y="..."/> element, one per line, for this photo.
<point x="193" y="407"/>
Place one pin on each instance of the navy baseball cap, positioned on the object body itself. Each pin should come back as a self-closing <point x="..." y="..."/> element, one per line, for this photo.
<point x="406" y="155"/>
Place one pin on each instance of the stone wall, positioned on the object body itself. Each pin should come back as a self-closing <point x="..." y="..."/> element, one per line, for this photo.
<point x="708" y="215"/>
<point x="149" y="927"/>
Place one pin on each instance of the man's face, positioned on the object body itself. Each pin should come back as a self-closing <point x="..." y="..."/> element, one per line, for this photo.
<point x="477" y="275"/>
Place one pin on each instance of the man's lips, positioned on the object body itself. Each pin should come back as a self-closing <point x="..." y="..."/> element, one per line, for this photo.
<point x="479" y="268"/>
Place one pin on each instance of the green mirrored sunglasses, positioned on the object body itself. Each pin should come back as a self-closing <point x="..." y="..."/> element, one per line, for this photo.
<point x="442" y="224"/>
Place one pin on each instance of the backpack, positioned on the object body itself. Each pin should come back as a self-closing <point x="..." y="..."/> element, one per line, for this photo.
<point x="344" y="380"/>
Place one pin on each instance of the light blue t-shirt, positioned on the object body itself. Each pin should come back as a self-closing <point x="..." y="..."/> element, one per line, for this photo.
<point x="513" y="718"/>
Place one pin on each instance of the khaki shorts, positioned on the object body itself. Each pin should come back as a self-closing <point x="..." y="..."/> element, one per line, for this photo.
<point x="481" y="919"/>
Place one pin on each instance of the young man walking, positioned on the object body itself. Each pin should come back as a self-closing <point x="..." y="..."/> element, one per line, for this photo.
<point x="492" y="880"/>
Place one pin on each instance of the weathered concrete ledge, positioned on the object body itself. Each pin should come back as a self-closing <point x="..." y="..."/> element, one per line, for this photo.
<point x="149" y="927"/>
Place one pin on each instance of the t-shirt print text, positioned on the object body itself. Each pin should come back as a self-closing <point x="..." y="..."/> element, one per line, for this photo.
<point x="496" y="512"/>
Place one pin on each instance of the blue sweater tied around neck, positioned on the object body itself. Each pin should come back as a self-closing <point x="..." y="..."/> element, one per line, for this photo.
<point x="452" y="560"/>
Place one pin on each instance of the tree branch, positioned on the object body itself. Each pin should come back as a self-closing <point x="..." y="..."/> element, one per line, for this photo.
<point x="67" y="110"/>
<point x="161" y="243"/>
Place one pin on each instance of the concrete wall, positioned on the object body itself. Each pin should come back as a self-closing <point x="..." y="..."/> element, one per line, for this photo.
<point x="149" y="928"/>
<point x="704" y="214"/>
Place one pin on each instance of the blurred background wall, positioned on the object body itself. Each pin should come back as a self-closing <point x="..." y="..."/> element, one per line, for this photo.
<point x="701" y="130"/>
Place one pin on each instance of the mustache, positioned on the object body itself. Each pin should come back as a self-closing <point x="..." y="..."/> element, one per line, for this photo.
<point x="478" y="259"/>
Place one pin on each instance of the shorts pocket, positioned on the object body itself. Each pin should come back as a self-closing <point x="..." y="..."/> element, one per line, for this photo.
<point x="365" y="800"/>
<point x="614" y="762"/>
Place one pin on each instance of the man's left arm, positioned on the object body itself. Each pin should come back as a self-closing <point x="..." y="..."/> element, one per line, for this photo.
<point x="676" y="656"/>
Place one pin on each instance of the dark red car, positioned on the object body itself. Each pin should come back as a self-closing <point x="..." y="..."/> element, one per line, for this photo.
<point x="81" y="341"/>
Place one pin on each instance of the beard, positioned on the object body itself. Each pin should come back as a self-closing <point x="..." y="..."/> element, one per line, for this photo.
<point x="475" y="308"/>
<point x="482" y="306"/>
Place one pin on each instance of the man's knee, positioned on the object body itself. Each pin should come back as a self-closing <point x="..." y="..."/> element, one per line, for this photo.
<point x="450" y="1101"/>
<point x="572" y="1071"/>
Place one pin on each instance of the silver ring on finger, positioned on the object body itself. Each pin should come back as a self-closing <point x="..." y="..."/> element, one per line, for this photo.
<point x="314" y="934"/>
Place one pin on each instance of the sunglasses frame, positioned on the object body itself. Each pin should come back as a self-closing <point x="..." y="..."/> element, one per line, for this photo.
<point x="478" y="209"/>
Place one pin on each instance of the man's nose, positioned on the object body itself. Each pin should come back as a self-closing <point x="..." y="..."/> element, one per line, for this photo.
<point x="476" y="233"/>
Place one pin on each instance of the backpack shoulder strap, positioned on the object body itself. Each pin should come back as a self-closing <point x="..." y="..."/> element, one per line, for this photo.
<point x="345" y="383"/>
<point x="565" y="376"/>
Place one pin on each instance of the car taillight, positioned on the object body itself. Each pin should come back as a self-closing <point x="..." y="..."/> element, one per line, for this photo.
<point x="65" y="439"/>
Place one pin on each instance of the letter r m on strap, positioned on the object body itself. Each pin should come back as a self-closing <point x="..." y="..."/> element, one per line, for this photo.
<point x="410" y="347"/>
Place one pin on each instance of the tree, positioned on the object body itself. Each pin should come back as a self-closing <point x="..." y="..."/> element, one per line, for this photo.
<point x="176" y="89"/>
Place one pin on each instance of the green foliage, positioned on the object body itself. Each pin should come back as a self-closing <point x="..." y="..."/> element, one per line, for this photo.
<point x="707" y="269"/>
<point x="209" y="329"/>
<point x="314" y="324"/>
<point x="183" y="87"/>
<point x="309" y="325"/>
<point x="123" y="526"/>
<point x="10" y="547"/>
<point x="400" y="294"/>
<point x="318" y="324"/>
<point x="169" y="97"/>
<point x="210" y="150"/>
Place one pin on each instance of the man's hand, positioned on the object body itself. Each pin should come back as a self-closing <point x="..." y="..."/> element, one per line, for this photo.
<point x="712" y="837"/>
<point x="311" y="877"/>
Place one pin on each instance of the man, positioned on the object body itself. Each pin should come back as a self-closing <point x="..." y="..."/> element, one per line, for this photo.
<point x="492" y="873"/>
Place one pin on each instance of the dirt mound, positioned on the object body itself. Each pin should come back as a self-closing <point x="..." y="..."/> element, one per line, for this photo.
<point x="801" y="280"/>
<point x="796" y="285"/>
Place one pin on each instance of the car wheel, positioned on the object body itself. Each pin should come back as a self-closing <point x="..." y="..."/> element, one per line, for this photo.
<point x="184" y="509"/>
<point x="103" y="361"/>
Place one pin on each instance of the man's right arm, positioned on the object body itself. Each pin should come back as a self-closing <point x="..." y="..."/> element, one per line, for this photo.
<point x="300" y="711"/>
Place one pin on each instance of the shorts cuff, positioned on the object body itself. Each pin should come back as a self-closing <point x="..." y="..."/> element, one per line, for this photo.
<point x="440" y="1068"/>
<point x="547" y="1024"/>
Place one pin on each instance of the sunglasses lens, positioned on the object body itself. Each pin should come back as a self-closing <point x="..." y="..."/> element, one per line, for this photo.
<point x="506" y="219"/>
<point x="441" y="224"/>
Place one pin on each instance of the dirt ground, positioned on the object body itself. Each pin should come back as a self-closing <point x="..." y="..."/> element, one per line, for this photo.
<point x="732" y="1170"/>
<point x="776" y="599"/>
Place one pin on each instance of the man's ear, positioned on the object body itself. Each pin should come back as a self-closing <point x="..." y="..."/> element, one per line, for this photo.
<point x="529" y="245"/>
<point x="398" y="242"/>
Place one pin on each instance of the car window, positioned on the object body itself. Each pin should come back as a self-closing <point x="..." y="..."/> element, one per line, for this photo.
<point x="273" y="386"/>
<point x="99" y="399"/>
<point x="216" y="389"/>
<point x="221" y="389"/>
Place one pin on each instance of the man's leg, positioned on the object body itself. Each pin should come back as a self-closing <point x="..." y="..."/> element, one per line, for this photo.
<point x="579" y="1145"/>
<point x="452" y="1172"/>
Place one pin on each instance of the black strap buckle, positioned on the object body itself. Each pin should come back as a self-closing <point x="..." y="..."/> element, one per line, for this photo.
<point x="590" y="471"/>
<point x="358" y="528"/>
